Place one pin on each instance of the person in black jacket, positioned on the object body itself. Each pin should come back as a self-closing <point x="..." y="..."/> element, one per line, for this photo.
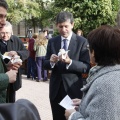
<point x="14" y="46"/>
<point x="66" y="76"/>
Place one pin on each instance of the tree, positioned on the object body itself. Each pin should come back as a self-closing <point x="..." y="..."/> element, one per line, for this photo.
<point x="34" y="12"/>
<point x="89" y="14"/>
<point x="22" y="9"/>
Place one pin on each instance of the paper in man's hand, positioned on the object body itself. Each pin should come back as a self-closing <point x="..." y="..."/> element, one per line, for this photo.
<point x="67" y="103"/>
<point x="14" y="59"/>
<point x="63" y="53"/>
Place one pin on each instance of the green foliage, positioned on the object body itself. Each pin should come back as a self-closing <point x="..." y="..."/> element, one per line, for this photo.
<point x="89" y="14"/>
<point x="22" y="9"/>
<point x="55" y="33"/>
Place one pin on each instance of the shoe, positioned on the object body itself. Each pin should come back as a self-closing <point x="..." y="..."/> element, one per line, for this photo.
<point x="33" y="78"/>
<point x="44" y="80"/>
<point x="37" y="80"/>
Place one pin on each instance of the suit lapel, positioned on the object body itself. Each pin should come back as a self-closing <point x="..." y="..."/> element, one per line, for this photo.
<point x="58" y="44"/>
<point x="72" y="45"/>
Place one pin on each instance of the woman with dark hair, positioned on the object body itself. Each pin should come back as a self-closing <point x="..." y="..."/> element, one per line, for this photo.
<point x="101" y="99"/>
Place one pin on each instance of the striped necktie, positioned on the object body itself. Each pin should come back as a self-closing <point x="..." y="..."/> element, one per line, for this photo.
<point x="65" y="44"/>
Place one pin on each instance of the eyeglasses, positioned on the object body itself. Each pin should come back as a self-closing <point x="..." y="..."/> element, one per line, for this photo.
<point x="3" y="33"/>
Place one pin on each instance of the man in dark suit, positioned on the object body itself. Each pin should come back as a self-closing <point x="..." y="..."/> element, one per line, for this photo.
<point x="14" y="46"/>
<point x="66" y="76"/>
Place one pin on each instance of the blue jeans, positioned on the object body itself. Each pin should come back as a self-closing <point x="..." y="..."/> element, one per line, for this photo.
<point x="41" y="72"/>
<point x="31" y="68"/>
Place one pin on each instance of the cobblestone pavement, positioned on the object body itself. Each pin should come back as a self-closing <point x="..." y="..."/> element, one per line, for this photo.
<point x="37" y="93"/>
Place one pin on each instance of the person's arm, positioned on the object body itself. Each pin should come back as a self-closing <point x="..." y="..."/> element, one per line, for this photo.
<point x="35" y="47"/>
<point x="48" y="64"/>
<point x="23" y="52"/>
<point x="8" y="77"/>
<point x="4" y="80"/>
<point x="101" y="101"/>
<point x="20" y="48"/>
<point x="83" y="64"/>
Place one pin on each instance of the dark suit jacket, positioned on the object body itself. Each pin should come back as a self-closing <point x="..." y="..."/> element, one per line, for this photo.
<point x="15" y="44"/>
<point x="72" y="79"/>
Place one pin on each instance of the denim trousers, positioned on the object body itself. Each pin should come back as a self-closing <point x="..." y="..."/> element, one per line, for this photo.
<point x="40" y="70"/>
<point x="31" y="68"/>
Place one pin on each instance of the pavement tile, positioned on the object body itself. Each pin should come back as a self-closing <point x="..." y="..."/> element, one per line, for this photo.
<point x="38" y="94"/>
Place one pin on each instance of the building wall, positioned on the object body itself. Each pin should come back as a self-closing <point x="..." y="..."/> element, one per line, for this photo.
<point x="21" y="30"/>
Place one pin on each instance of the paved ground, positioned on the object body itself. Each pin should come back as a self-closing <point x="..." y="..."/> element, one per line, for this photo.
<point x="38" y="93"/>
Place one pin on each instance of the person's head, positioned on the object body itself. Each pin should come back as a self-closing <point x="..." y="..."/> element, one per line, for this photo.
<point x="41" y="40"/>
<point x="104" y="43"/>
<point x="3" y="12"/>
<point x="79" y="32"/>
<point x="6" y="31"/>
<point x="45" y="32"/>
<point x="35" y="36"/>
<point x="65" y="23"/>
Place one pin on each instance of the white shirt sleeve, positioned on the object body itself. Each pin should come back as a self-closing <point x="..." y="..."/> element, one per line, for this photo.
<point x="68" y="65"/>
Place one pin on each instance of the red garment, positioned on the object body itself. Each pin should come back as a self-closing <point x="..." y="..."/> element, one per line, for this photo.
<point x="30" y="47"/>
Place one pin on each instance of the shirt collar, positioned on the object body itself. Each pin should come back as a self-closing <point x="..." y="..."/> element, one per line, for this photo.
<point x="68" y="38"/>
<point x="5" y="42"/>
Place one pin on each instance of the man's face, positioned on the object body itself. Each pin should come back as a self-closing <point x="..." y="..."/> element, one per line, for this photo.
<point x="65" y="28"/>
<point x="5" y="33"/>
<point x="3" y="14"/>
<point x="79" y="33"/>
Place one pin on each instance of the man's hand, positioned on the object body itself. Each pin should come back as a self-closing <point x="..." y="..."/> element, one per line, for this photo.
<point x="13" y="66"/>
<point x="66" y="60"/>
<point x="12" y="75"/>
<point x="68" y="113"/>
<point x="12" y="53"/>
<point x="76" y="103"/>
<point x="54" y="58"/>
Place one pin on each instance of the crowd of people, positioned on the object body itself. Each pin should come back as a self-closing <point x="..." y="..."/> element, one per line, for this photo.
<point x="98" y="99"/>
<point x="37" y="46"/>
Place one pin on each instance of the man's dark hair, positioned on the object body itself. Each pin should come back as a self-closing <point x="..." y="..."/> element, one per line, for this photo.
<point x="105" y="41"/>
<point x="64" y="16"/>
<point x="4" y="4"/>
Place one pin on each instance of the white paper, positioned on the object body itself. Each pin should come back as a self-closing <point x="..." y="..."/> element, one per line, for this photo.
<point x="67" y="103"/>
<point x="12" y="59"/>
<point x="6" y="57"/>
<point x="63" y="53"/>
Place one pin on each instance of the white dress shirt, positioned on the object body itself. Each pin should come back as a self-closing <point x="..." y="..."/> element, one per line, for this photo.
<point x="62" y="44"/>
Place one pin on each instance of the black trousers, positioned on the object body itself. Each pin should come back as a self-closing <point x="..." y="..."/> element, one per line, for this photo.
<point x="58" y="112"/>
<point x="11" y="94"/>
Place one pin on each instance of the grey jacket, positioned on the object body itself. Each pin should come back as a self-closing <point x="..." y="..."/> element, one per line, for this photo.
<point x="101" y="99"/>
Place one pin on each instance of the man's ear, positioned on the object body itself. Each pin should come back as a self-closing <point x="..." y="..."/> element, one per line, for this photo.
<point x="72" y="24"/>
<point x="92" y="53"/>
<point x="92" y="58"/>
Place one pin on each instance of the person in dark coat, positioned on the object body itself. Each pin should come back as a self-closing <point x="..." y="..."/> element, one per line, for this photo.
<point x="22" y="109"/>
<point x="14" y="46"/>
<point x="31" y="63"/>
<point x="66" y="76"/>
